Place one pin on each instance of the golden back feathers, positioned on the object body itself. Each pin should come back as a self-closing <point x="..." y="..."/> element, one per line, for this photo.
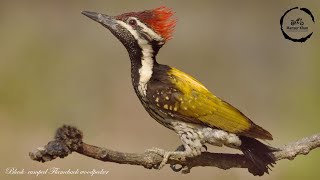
<point x="198" y="103"/>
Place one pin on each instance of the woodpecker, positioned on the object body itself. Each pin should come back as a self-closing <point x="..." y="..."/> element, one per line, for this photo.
<point x="175" y="99"/>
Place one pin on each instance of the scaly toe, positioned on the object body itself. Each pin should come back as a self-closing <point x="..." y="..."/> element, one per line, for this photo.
<point x="164" y="160"/>
<point x="162" y="153"/>
<point x="155" y="150"/>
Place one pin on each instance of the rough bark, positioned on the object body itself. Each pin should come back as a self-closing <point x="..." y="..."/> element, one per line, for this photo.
<point x="68" y="139"/>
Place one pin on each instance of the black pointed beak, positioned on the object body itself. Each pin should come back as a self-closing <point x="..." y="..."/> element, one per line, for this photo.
<point x="92" y="15"/>
<point x="105" y="20"/>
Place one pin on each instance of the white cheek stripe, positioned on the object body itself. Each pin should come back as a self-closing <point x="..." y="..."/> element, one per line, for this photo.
<point x="146" y="61"/>
<point x="147" y="30"/>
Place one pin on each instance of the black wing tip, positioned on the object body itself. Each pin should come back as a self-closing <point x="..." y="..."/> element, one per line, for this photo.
<point x="259" y="154"/>
<point x="258" y="132"/>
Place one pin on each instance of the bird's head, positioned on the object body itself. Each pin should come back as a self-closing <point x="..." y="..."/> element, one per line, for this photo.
<point x="151" y="27"/>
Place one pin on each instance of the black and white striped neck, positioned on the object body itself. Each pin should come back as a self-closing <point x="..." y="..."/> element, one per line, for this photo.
<point x="143" y="61"/>
<point x="142" y="47"/>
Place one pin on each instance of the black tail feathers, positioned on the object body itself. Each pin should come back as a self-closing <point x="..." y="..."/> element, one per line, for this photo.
<point x="259" y="153"/>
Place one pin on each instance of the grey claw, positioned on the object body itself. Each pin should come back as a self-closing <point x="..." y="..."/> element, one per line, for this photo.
<point x="205" y="147"/>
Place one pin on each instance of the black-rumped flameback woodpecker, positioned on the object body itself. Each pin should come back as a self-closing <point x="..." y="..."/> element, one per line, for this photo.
<point x="175" y="99"/>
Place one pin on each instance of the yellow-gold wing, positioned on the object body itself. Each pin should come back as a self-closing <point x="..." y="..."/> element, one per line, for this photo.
<point x="194" y="101"/>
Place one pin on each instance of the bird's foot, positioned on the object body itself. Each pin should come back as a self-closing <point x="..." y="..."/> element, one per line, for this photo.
<point x="178" y="167"/>
<point x="177" y="154"/>
<point x="166" y="155"/>
<point x="183" y="168"/>
<point x="160" y="152"/>
<point x="180" y="153"/>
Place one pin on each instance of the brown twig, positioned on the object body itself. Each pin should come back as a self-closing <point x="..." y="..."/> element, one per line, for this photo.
<point x="68" y="139"/>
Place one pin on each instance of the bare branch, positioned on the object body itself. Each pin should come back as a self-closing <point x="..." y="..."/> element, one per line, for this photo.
<point x="68" y="139"/>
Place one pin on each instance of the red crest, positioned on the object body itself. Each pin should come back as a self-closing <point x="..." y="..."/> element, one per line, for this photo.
<point x="162" y="22"/>
<point x="159" y="19"/>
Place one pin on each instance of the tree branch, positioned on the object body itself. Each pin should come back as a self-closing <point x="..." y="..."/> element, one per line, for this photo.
<point x="68" y="139"/>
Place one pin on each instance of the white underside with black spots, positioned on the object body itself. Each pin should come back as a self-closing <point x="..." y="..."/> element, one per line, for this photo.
<point x="193" y="137"/>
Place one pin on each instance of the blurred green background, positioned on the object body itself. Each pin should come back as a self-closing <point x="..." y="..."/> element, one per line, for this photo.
<point x="58" y="67"/>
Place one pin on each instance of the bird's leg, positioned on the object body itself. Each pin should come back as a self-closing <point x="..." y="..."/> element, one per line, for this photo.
<point x="191" y="146"/>
<point x="174" y="166"/>
<point x="166" y="154"/>
<point x="188" y="149"/>
<point x="182" y="152"/>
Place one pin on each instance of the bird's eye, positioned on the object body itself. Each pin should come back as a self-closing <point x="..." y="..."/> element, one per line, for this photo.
<point x="132" y="22"/>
